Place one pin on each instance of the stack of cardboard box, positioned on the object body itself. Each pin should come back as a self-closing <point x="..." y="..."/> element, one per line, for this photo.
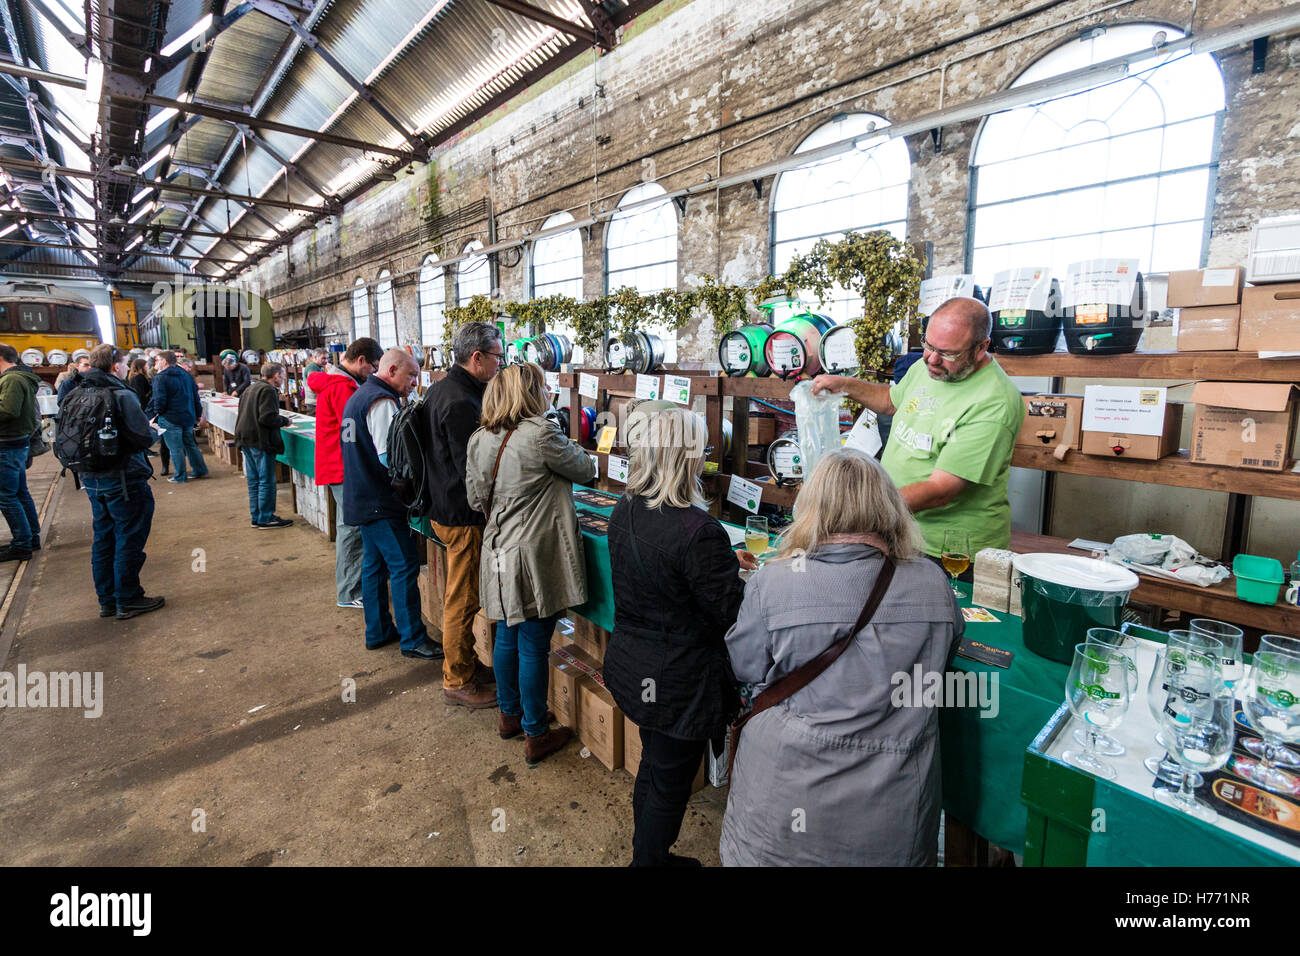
<point x="579" y="700"/>
<point x="992" y="579"/>
<point x="1209" y="308"/>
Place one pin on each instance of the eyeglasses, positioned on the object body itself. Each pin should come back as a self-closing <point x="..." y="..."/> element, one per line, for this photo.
<point x="946" y="356"/>
<point x="500" y="356"/>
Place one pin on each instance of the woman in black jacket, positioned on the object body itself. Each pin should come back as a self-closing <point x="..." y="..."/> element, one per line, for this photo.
<point x="137" y="379"/>
<point x="676" y="592"/>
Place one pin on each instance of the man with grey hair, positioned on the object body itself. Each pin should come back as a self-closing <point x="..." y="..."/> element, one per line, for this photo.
<point x="956" y="415"/>
<point x="453" y="405"/>
<point x="257" y="435"/>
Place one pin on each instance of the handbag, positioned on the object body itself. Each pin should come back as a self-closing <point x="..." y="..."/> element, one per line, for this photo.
<point x="802" y="676"/>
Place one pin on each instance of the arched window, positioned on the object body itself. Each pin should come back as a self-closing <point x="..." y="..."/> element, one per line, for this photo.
<point x="641" y="250"/>
<point x="557" y="269"/>
<point x="360" y="310"/>
<point x="860" y="190"/>
<point x="433" y="302"/>
<point x="1124" y="170"/>
<point x="473" y="275"/>
<point x="386" y="311"/>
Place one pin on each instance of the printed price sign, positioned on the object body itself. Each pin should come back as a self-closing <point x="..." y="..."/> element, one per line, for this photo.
<point x="1123" y="409"/>
<point x="424" y="378"/>
<point x="588" y="385"/>
<point x="606" y="440"/>
<point x="677" y="388"/>
<point x="617" y="469"/>
<point x="744" y="493"/>
<point x="648" y="386"/>
<point x="553" y="381"/>
<point x="1026" y="289"/>
<point x="1100" y="282"/>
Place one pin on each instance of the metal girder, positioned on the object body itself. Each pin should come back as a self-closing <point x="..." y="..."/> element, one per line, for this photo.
<point x="141" y="225"/>
<point x="164" y="65"/>
<point x="45" y="76"/>
<point x="74" y="248"/>
<point x="78" y="41"/>
<point x="289" y="165"/>
<point x="538" y="15"/>
<point x="278" y="11"/>
<point x="606" y="31"/>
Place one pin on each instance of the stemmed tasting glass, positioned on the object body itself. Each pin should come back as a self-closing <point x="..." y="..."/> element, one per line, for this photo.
<point x="956" y="556"/>
<point x="1126" y="646"/>
<point x="1163" y="766"/>
<point x="1232" y="661"/>
<point x="1183" y="649"/>
<point x="1097" y="691"/>
<point x="1272" y="705"/>
<point x="1198" y="722"/>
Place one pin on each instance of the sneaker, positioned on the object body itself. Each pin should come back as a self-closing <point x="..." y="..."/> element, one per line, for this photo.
<point x="108" y="610"/>
<point x="141" y="605"/>
<point x="178" y="479"/>
<point x="347" y="603"/>
<point x="15" y="554"/>
<point x="276" y="523"/>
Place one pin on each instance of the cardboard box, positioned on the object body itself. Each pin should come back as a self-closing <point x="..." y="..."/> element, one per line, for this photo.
<point x="1270" y="318"/>
<point x="565" y="675"/>
<point x="1200" y="287"/>
<point x="1243" y="425"/>
<point x="485" y="632"/>
<point x="1145" y="447"/>
<point x="1208" y="328"/>
<point x="592" y="639"/>
<point x="632" y="755"/>
<point x="1051" y="421"/>
<point x="600" y="723"/>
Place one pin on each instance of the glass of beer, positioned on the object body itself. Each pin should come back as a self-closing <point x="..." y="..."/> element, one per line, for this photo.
<point x="956" y="555"/>
<point x="756" y="537"/>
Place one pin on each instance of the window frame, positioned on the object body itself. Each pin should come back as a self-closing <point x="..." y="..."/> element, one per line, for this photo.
<point x="473" y="247"/>
<point x="532" y="254"/>
<point x="440" y="321"/>
<point x="385" y="277"/>
<point x="360" y="287"/>
<point x="677" y="238"/>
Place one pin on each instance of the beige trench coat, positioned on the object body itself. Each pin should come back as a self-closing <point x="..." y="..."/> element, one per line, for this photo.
<point x="532" y="563"/>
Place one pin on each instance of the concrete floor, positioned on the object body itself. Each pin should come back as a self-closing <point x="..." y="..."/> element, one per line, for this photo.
<point x="229" y="701"/>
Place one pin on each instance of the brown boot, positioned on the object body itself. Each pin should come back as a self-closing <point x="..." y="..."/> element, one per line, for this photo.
<point x="537" y="749"/>
<point x="471" y="695"/>
<point x="510" y="727"/>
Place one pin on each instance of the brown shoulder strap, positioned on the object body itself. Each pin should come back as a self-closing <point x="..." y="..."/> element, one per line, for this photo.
<point x="492" y="488"/>
<point x="801" y="677"/>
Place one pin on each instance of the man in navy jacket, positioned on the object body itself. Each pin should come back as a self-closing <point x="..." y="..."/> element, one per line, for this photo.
<point x="176" y="406"/>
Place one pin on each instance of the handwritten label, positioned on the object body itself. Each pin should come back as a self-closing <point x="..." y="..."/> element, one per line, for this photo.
<point x="1124" y="410"/>
<point x="744" y="493"/>
<point x="1022" y="289"/>
<point x="677" y="388"/>
<point x="935" y="292"/>
<point x="1211" y="278"/>
<point x="588" y="385"/>
<point x="648" y="387"/>
<point x="737" y="354"/>
<point x="1100" y="282"/>
<point x="617" y="469"/>
<point x="841" y="349"/>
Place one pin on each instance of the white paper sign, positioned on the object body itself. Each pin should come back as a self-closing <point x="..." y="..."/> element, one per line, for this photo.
<point x="785" y="461"/>
<point x="1211" y="278"/>
<point x="744" y="493"/>
<point x="1124" y="409"/>
<point x="935" y="292"/>
<point x="425" y="379"/>
<point x="1025" y="289"/>
<point x="737" y="353"/>
<point x="552" y="381"/>
<point x="648" y="386"/>
<point x="841" y="349"/>
<point x="786" y="354"/>
<point x="617" y="469"/>
<point x="596" y="462"/>
<point x="677" y="388"/>
<point x="865" y="434"/>
<point x="1100" y="282"/>
<point x="588" y="385"/>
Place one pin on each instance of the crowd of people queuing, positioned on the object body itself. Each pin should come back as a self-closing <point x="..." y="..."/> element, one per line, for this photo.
<point x="692" y="637"/>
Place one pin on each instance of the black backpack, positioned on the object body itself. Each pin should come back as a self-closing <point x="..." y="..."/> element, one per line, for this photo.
<point x="87" y="439"/>
<point x="408" y="444"/>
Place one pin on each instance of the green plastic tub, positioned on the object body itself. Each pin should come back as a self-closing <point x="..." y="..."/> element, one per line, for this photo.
<point x="1258" y="579"/>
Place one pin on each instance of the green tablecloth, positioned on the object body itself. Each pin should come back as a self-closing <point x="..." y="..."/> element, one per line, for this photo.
<point x="299" y="449"/>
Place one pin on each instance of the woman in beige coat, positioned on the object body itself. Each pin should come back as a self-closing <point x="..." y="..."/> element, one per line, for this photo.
<point x="520" y="470"/>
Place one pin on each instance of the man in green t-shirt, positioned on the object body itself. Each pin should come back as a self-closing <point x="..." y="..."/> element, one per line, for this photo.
<point x="956" y="415"/>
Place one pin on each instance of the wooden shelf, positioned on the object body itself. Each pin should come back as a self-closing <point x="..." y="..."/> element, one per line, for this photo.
<point x="1168" y="366"/>
<point x="1175" y="470"/>
<point x="1219" y="601"/>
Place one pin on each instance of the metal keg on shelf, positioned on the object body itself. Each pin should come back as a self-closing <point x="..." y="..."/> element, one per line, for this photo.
<point x="636" y="351"/>
<point x="1104" y="315"/>
<point x="785" y="458"/>
<point x="515" y="351"/>
<point x="741" y="351"/>
<point x="57" y="357"/>
<point x="548" y="350"/>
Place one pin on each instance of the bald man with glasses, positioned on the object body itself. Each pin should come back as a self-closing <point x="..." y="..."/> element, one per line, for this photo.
<point x="956" y="415"/>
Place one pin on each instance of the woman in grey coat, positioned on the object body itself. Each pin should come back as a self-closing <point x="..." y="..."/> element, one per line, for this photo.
<point x="532" y="565"/>
<point x="839" y="774"/>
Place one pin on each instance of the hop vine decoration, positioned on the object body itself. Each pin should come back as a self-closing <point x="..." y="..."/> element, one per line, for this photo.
<point x="887" y="273"/>
<point x="480" y="308"/>
<point x="726" y="303"/>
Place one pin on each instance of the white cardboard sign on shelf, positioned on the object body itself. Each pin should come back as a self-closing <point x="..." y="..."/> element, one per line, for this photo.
<point x="865" y="434"/>
<point x="617" y="469"/>
<point x="1129" y="410"/>
<point x="747" y="494"/>
<point x="425" y="381"/>
<point x="552" y="381"/>
<point x="648" y="387"/>
<point x="1026" y="289"/>
<point x="588" y="385"/>
<point x="677" y="388"/>
<point x="1100" y="282"/>
<point x="935" y="292"/>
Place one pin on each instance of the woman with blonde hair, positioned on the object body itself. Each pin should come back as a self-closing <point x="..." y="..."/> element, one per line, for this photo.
<point x="520" y="470"/>
<point x="676" y="591"/>
<point x="831" y="743"/>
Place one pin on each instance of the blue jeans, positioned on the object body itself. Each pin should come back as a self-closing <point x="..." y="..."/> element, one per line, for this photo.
<point x="519" y="658"/>
<point x="122" y="519"/>
<point x="389" y="554"/>
<point x="15" y="500"/>
<point x="180" y="442"/>
<point x="259" y="471"/>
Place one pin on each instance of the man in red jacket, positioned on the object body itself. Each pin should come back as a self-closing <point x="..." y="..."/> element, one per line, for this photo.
<point x="333" y="387"/>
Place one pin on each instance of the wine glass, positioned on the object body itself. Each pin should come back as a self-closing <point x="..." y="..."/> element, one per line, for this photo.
<point x="1272" y="704"/>
<point x="1199" y="724"/>
<point x="1097" y="691"/>
<point x="1232" y="662"/>
<point x="756" y="535"/>
<point x="1183" y="650"/>
<point x="956" y="555"/>
<point x="1163" y="766"/>
<point x="1126" y="647"/>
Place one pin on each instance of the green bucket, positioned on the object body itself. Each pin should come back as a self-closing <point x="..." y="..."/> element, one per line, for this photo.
<point x="1062" y="595"/>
